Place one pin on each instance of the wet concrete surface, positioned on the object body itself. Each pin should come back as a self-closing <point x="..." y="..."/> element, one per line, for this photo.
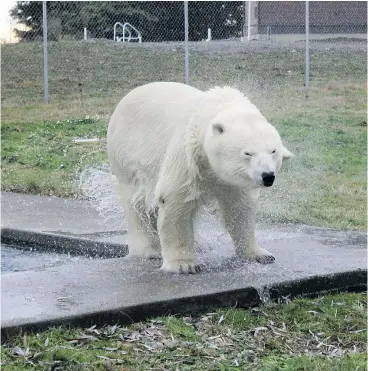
<point x="14" y="259"/>
<point x="82" y="289"/>
<point x="64" y="290"/>
<point x="52" y="214"/>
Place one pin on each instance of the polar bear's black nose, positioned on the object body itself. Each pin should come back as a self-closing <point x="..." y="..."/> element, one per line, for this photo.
<point x="268" y="178"/>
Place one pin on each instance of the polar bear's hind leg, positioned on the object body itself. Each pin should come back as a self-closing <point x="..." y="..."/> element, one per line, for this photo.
<point x="143" y="240"/>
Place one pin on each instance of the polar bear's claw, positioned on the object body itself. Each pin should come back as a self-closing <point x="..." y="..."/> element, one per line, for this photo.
<point x="181" y="267"/>
<point x="265" y="259"/>
<point x="260" y="255"/>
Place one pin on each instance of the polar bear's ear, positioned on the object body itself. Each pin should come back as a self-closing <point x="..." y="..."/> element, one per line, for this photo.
<point x="286" y="153"/>
<point x="217" y="128"/>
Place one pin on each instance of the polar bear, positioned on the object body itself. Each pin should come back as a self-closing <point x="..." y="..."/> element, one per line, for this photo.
<point x="171" y="146"/>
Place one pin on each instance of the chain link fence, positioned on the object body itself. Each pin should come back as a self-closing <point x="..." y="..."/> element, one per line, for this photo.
<point x="98" y="51"/>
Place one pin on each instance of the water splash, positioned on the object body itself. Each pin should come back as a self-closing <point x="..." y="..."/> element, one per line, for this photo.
<point x="213" y="243"/>
<point x="264" y="294"/>
<point x="214" y="248"/>
<point x="97" y="185"/>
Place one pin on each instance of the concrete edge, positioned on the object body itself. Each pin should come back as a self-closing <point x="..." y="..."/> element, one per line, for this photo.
<point x="52" y="242"/>
<point x="351" y="281"/>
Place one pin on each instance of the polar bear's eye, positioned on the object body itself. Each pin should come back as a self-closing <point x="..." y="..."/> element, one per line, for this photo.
<point x="274" y="151"/>
<point x="247" y="154"/>
<point x="218" y="128"/>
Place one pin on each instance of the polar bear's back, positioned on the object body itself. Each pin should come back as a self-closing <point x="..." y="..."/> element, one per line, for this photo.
<point x="157" y="99"/>
<point x="143" y="124"/>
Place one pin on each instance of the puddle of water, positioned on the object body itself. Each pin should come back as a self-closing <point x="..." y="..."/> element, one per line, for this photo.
<point x="15" y="260"/>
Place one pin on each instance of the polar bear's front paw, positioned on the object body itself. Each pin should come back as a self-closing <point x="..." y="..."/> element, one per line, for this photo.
<point x="261" y="256"/>
<point x="181" y="266"/>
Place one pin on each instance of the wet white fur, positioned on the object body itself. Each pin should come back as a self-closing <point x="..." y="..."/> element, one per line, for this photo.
<point x="172" y="145"/>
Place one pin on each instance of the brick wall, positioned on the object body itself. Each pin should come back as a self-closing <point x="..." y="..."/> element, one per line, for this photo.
<point x="324" y="16"/>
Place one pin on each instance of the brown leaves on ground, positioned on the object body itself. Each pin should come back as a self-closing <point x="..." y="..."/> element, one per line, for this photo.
<point x="326" y="328"/>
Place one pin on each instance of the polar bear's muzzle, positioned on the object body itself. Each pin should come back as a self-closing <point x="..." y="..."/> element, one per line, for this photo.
<point x="268" y="178"/>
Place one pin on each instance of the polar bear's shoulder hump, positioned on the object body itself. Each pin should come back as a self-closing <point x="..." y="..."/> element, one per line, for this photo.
<point x="228" y="95"/>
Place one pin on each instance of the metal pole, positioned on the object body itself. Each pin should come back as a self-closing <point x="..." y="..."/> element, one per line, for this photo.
<point x="245" y="20"/>
<point x="186" y="53"/>
<point x="307" y="49"/>
<point x="249" y="7"/>
<point x="45" y="56"/>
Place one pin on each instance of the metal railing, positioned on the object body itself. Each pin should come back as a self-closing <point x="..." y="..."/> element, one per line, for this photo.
<point x="127" y="28"/>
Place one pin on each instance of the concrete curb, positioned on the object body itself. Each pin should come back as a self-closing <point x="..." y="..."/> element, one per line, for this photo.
<point x="52" y="242"/>
<point x="353" y="281"/>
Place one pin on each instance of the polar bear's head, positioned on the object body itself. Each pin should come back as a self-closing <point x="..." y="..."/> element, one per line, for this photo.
<point x="243" y="149"/>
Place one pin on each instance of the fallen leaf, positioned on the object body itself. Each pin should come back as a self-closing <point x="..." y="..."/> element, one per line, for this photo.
<point x="213" y="337"/>
<point x="134" y="336"/>
<point x="313" y="312"/>
<point x="92" y="329"/>
<point x="83" y="338"/>
<point x="20" y="352"/>
<point x="153" y="332"/>
<point x="113" y="329"/>
<point x="151" y="349"/>
<point x="258" y="329"/>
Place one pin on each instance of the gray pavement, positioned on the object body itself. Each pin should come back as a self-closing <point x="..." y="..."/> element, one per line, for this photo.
<point x="51" y="214"/>
<point x="308" y="260"/>
<point x="16" y="260"/>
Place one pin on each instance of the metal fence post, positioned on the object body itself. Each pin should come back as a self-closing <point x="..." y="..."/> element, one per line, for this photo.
<point x="307" y="49"/>
<point x="244" y="20"/>
<point x="186" y="53"/>
<point x="45" y="56"/>
<point x="249" y="10"/>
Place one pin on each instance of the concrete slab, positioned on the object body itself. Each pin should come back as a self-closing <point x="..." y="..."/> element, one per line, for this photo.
<point x="64" y="243"/>
<point x="308" y="260"/>
<point x="51" y="214"/>
<point x="92" y="291"/>
<point x="16" y="260"/>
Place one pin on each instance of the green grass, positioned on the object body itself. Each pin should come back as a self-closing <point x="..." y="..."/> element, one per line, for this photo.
<point x="324" y="333"/>
<point x="87" y="79"/>
<point x="324" y="185"/>
<point x="42" y="158"/>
